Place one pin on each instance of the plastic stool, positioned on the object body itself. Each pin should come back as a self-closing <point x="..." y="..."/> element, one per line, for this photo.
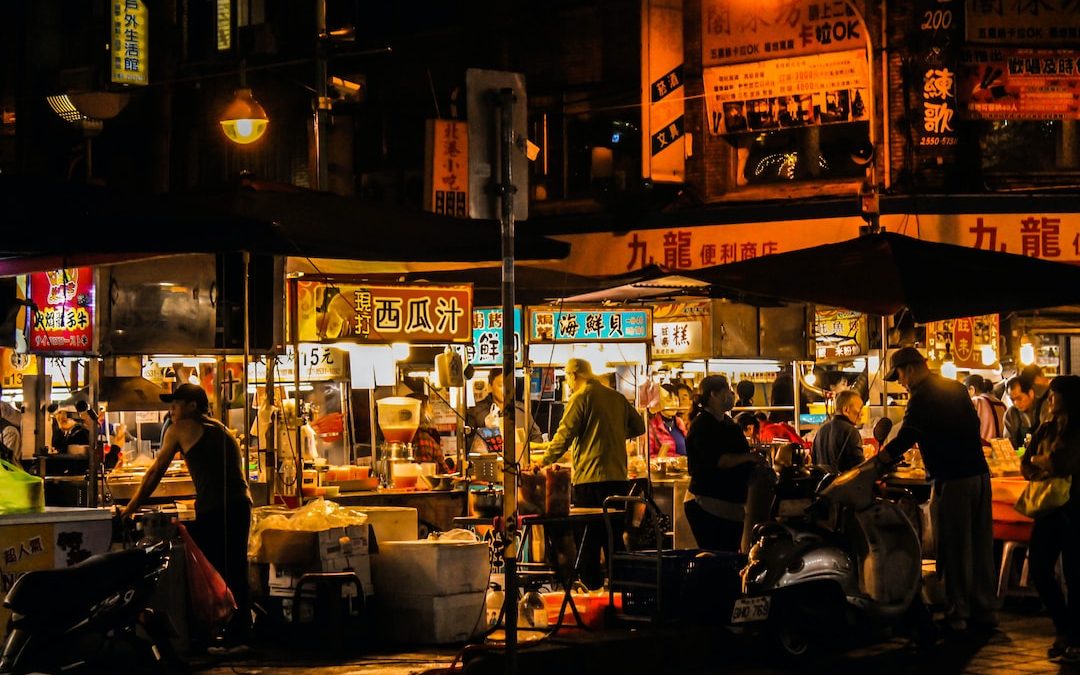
<point x="1009" y="551"/>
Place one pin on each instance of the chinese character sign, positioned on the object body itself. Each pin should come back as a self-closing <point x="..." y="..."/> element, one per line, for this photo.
<point x="554" y="324"/>
<point x="839" y="333"/>
<point x="447" y="168"/>
<point x="63" y="319"/>
<point x="1028" y="22"/>
<point x="1020" y="84"/>
<point x="663" y="96"/>
<point x="417" y="313"/>
<point x="735" y="31"/>
<point x="486" y="348"/>
<point x="787" y="92"/>
<point x="130" y="42"/>
<point x="965" y="339"/>
<point x="682" y="330"/>
<point x="934" y="72"/>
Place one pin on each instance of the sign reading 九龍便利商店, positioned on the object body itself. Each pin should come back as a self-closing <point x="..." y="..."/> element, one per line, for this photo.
<point x="63" y="319"/>
<point x="382" y="314"/>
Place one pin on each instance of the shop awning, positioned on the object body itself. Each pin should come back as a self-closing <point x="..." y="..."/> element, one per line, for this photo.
<point x="886" y="272"/>
<point x="48" y="223"/>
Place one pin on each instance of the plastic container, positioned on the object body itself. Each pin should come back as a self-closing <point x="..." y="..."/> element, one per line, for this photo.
<point x="399" y="417"/>
<point x="391" y="523"/>
<point x="432" y="567"/>
<point x="532" y="612"/>
<point x="493" y="605"/>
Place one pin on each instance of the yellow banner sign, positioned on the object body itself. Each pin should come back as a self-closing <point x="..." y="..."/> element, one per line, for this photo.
<point x="130" y="42"/>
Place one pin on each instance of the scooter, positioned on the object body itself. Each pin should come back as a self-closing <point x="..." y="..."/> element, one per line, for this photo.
<point x="851" y="561"/>
<point x="91" y="617"/>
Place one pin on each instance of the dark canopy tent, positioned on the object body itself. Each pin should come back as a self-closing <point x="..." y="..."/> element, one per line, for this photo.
<point x="51" y="223"/>
<point x="885" y="272"/>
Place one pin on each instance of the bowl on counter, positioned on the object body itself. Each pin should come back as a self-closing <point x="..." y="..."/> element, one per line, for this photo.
<point x="486" y="503"/>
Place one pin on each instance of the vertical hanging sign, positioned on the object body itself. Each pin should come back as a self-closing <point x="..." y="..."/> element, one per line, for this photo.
<point x="446" y="171"/>
<point x="224" y="25"/>
<point x="130" y="43"/>
<point x="663" y="151"/>
<point x="934" y="66"/>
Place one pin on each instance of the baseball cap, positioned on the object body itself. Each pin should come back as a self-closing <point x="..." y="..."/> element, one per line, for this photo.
<point x="902" y="357"/>
<point x="188" y="392"/>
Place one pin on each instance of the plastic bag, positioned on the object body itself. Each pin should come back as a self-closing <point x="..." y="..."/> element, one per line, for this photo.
<point x="557" y="491"/>
<point x="19" y="491"/>
<point x="532" y="488"/>
<point x="1043" y="496"/>
<point x="212" y="602"/>
<point x="315" y="516"/>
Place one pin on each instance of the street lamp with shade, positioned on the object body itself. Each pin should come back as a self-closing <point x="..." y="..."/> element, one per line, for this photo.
<point x="244" y="121"/>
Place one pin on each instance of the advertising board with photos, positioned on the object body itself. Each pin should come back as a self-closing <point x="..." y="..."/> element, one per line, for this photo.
<point x="998" y="83"/>
<point x="787" y="93"/>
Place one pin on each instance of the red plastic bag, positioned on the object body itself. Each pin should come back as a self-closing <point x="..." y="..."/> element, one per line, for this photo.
<point x="212" y="602"/>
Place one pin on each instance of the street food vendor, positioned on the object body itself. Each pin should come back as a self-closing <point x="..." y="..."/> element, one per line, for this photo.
<point x="222" y="500"/>
<point x="487" y="413"/>
<point x="68" y="430"/>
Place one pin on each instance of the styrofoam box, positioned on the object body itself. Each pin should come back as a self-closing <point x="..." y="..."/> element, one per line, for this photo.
<point x="432" y="619"/>
<point x="391" y="523"/>
<point x="431" y="567"/>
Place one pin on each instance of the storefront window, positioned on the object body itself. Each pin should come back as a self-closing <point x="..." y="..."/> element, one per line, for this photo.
<point x="1028" y="151"/>
<point x="801" y="154"/>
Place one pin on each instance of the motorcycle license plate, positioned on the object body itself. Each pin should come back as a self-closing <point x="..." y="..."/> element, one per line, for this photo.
<point x="750" y="609"/>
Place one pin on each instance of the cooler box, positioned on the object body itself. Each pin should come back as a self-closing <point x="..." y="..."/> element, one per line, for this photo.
<point x="431" y="567"/>
<point x="432" y="619"/>
<point x="391" y="523"/>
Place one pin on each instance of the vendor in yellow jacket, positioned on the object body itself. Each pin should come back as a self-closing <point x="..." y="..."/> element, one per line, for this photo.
<point x="595" y="425"/>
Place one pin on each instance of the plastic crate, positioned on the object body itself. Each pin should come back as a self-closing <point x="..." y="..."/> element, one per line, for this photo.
<point x="694" y="583"/>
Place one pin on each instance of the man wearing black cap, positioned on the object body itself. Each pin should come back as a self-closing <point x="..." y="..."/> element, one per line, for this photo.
<point x="941" y="419"/>
<point x="222" y="500"/>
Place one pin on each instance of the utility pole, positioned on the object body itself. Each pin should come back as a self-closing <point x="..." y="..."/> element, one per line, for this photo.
<point x="321" y="121"/>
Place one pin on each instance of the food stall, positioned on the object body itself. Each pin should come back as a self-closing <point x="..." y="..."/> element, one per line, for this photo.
<point x="367" y="320"/>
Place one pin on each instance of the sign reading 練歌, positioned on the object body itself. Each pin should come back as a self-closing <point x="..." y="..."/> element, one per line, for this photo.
<point x="934" y="69"/>
<point x="381" y="314"/>
<point x="487" y="337"/>
<point x="682" y="330"/>
<point x="577" y="324"/>
<point x="447" y="168"/>
<point x="1030" y="22"/>
<point x="63" y="321"/>
<point x="130" y="42"/>
<point x="1016" y="84"/>
<point x="790" y="92"/>
<point x="839" y="333"/>
<point x="736" y="31"/>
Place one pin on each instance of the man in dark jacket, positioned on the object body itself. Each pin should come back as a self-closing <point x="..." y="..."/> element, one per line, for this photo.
<point x="476" y="416"/>
<point x="838" y="445"/>
<point x="941" y="419"/>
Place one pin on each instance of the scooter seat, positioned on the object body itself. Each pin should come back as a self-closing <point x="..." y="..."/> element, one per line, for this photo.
<point x="58" y="597"/>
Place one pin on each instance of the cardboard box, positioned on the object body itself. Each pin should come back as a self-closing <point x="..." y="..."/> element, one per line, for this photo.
<point x="291" y="547"/>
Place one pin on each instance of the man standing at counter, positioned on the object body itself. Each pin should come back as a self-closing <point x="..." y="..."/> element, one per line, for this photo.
<point x="222" y="500"/>
<point x="595" y="426"/>
<point x="941" y="419"/>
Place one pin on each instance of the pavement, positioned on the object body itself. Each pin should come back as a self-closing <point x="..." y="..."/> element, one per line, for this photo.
<point x="1017" y="646"/>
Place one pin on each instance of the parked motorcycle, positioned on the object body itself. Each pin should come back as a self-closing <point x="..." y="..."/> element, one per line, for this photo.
<point x="91" y="617"/>
<point x="851" y="561"/>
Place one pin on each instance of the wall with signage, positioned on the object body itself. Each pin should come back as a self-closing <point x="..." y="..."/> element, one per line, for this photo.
<point x="381" y="314"/>
<point x="971" y="341"/>
<point x="1000" y="83"/>
<point x="63" y="319"/>
<point x="839" y="334"/>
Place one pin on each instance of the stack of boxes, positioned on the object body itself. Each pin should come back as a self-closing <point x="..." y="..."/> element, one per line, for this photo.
<point x="431" y="591"/>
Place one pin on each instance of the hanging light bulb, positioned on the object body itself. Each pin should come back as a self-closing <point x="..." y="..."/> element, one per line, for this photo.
<point x="989" y="355"/>
<point x="948" y="367"/>
<point x="244" y="120"/>
<point x="1027" y="351"/>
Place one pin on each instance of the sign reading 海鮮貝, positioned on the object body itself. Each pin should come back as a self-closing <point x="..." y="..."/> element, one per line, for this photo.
<point x="381" y="314"/>
<point x="556" y="324"/>
<point x="486" y="348"/>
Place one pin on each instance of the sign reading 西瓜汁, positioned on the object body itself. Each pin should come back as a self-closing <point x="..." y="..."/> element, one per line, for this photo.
<point x="789" y="92"/>
<point x="736" y="31"/>
<point x="487" y="334"/>
<point x="1049" y="235"/>
<point x="63" y="319"/>
<point x="130" y="42"/>
<point x="682" y="330"/>
<point x="839" y="333"/>
<point x="447" y="168"/>
<point x="380" y="314"/>
<point x="1015" y="84"/>
<point x="580" y="324"/>
<point x="1027" y="22"/>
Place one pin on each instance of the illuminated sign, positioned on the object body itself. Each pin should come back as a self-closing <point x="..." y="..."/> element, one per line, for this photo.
<point x="380" y="314"/>
<point x="486" y="348"/>
<point x="557" y="324"/>
<point x="682" y="330"/>
<point x="839" y="333"/>
<point x="130" y="42"/>
<point x="63" y="319"/>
